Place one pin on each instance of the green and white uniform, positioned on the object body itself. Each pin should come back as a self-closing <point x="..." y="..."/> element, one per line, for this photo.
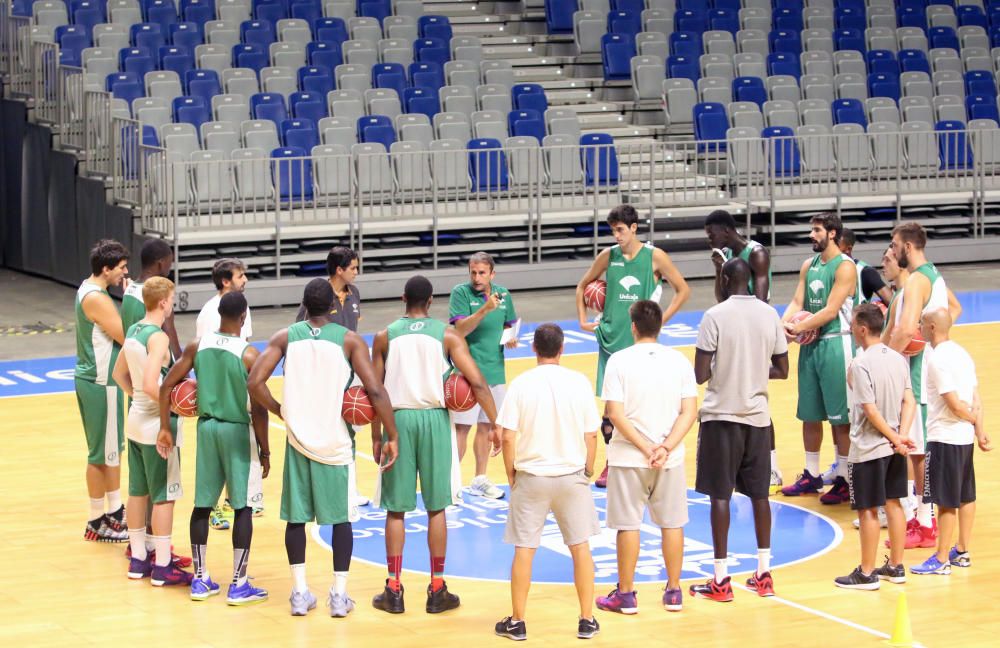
<point x="226" y="444"/>
<point x="101" y="402"/>
<point x="133" y="307"/>
<point x="629" y="281"/>
<point x="859" y="293"/>
<point x="823" y="364"/>
<point x="415" y="368"/>
<point x="315" y="483"/>
<point x="918" y="363"/>
<point x="148" y="472"/>
<point x="751" y="247"/>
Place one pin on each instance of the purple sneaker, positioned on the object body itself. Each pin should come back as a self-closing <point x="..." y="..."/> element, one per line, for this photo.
<point x="622" y="602"/>
<point x="139" y="569"/>
<point x="171" y="574"/>
<point x="806" y="484"/>
<point x="673" y="600"/>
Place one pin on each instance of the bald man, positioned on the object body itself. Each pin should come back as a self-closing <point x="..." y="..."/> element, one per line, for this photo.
<point x="954" y="424"/>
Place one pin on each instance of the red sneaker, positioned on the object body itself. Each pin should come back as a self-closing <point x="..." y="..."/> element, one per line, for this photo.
<point x="180" y="561"/>
<point x="839" y="493"/>
<point x="721" y="592"/>
<point x="913" y="537"/>
<point x="928" y="535"/>
<point x="763" y="584"/>
<point x="602" y="481"/>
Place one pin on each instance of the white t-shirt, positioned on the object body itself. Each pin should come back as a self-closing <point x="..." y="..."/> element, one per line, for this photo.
<point x="551" y="408"/>
<point x="650" y="380"/>
<point x="209" y="320"/>
<point x="949" y="369"/>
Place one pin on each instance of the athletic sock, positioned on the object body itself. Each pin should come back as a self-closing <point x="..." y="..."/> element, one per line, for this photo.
<point x="925" y="514"/>
<point x="240" y="559"/>
<point x="198" y="559"/>
<point x="114" y="500"/>
<point x="437" y="572"/>
<point x="395" y="564"/>
<point x="910" y="501"/>
<point x="299" y="578"/>
<point x="842" y="466"/>
<point x="812" y="463"/>
<point x="161" y="545"/>
<point x="774" y="461"/>
<point x="340" y="582"/>
<point x="96" y="509"/>
<point x="763" y="560"/>
<point x="721" y="569"/>
<point x="137" y="542"/>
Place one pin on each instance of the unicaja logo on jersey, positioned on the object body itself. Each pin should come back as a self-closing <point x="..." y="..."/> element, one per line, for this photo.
<point x="628" y="282"/>
<point x="816" y="285"/>
<point x="416" y="326"/>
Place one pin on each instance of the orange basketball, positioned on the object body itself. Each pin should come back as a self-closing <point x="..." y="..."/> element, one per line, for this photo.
<point x="184" y="398"/>
<point x="357" y="408"/>
<point x="806" y="337"/>
<point x="594" y="293"/>
<point x="916" y="345"/>
<point x="458" y="395"/>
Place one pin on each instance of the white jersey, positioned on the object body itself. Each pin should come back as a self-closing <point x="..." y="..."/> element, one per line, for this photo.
<point x="416" y="366"/>
<point x="143" y="422"/>
<point x="209" y="320"/>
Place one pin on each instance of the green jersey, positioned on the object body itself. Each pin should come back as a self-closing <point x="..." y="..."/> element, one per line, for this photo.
<point x="133" y="307"/>
<point x="484" y="340"/>
<point x="416" y="363"/>
<point x="859" y="292"/>
<point x="819" y="284"/>
<point x="750" y="248"/>
<point x="222" y="378"/>
<point x="96" y="352"/>
<point x="629" y="281"/>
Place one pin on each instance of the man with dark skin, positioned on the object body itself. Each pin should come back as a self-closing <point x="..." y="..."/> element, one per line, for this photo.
<point x="157" y="259"/>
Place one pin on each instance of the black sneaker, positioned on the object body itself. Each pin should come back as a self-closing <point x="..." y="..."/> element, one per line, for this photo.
<point x="511" y="629"/>
<point x="857" y="580"/>
<point x="441" y="600"/>
<point x="892" y="574"/>
<point x="587" y="628"/>
<point x="389" y="600"/>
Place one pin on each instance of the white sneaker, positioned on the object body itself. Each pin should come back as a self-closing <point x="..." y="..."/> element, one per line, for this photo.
<point x="482" y="486"/>
<point x="830" y="474"/>
<point x="883" y="521"/>
<point x="357" y="499"/>
<point x="776" y="482"/>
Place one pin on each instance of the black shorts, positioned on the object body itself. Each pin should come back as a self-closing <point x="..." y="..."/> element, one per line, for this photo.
<point x="875" y="481"/>
<point x="949" y="477"/>
<point x="733" y="455"/>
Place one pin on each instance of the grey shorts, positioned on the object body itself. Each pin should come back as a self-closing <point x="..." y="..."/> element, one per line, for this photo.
<point x="568" y="497"/>
<point x="633" y="490"/>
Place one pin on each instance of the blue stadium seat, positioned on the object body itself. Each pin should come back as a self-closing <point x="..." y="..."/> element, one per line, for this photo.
<point x="268" y="105"/>
<point x="849" y="39"/>
<point x="692" y="20"/>
<point x="529" y="96"/>
<point x="632" y="5"/>
<point x="162" y="13"/>
<point x="487" y="165"/>
<point x="624" y="22"/>
<point x="431" y="50"/>
<point x="427" y="75"/>
<point x="727" y="5"/>
<point x="911" y="16"/>
<point x="88" y="14"/>
<point x="324" y="54"/>
<point x="376" y="129"/>
<point x="881" y="62"/>
<point x="850" y="18"/>
<point x="969" y="15"/>
<point x="202" y="83"/>
<point x="176" y="59"/>
<point x="884" y="85"/>
<point x="982" y="107"/>
<point x="784" y="63"/>
<point x="191" y="110"/>
<point x="784" y="40"/>
<point x="953" y="146"/>
<point x="526" y="123"/>
<point x="559" y="16"/>
<point x="250" y="56"/>
<point x="911" y="60"/>
<point x="785" y="159"/>
<point x="269" y="10"/>
<point x="198" y="12"/>
<point x="685" y="44"/>
<point x="299" y="132"/>
<point x="616" y="55"/>
<point x="995" y="36"/>
<point x="315" y="78"/>
<point x="600" y="159"/>
<point x="185" y="34"/>
<point x="291" y="172"/>
<point x="390" y="76"/>
<point x="72" y="40"/>
<point x="434" y="27"/>
<point x="683" y="67"/>
<point x="307" y="11"/>
<point x="379" y="9"/>
<point x="136" y="59"/>
<point x="421" y="100"/>
<point x="942" y="37"/>
<point x="793" y="4"/>
<point x="147" y="35"/>
<point x="749" y="89"/>
<point x="849" y="111"/>
<point x="724" y="20"/>
<point x="125" y="85"/>
<point x="308" y="105"/>
<point x="980" y="82"/>
<point x="710" y="125"/>
<point x="257" y="32"/>
<point x="787" y="19"/>
<point x="330" y="30"/>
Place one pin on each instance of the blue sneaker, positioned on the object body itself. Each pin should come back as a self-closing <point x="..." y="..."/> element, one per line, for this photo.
<point x="959" y="558"/>
<point x="139" y="569"/>
<point x="245" y="594"/>
<point x="202" y="588"/>
<point x="932" y="566"/>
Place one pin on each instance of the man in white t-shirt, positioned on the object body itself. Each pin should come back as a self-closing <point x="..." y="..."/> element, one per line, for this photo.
<point x="652" y="401"/>
<point x="550" y="423"/>
<point x="954" y="425"/>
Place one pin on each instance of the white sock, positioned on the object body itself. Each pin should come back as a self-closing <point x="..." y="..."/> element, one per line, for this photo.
<point x="774" y="461"/>
<point x="721" y="569"/>
<point x="96" y="508"/>
<point x="299" y="578"/>
<point x="114" y="500"/>
<point x="150" y="545"/>
<point x="161" y="545"/>
<point x="340" y="582"/>
<point x="812" y="463"/>
<point x="925" y="514"/>
<point x="137" y="542"/>
<point x="763" y="560"/>
<point x="910" y="488"/>
<point x="842" y="466"/>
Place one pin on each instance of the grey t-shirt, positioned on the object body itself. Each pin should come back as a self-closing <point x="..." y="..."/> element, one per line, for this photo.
<point x="743" y="333"/>
<point x="879" y="376"/>
<point x="346" y="312"/>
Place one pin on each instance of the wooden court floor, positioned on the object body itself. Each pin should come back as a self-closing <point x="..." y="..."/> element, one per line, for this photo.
<point x="59" y="590"/>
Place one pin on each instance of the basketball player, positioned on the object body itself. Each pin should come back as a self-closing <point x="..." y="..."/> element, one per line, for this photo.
<point x="633" y="272"/>
<point x="411" y="359"/>
<point x="157" y="258"/>
<point x="99" y="337"/>
<point x="481" y="310"/>
<point x="826" y="287"/>
<point x="720" y="227"/>
<point x="228" y="275"/>
<point x="882" y="405"/>
<point x="652" y="401"/>
<point x="870" y="284"/>
<point x="152" y="479"/>
<point x="227" y="448"/>
<point x="321" y="358"/>
<point x="550" y="422"/>
<point x="954" y="425"/>
<point x="741" y="345"/>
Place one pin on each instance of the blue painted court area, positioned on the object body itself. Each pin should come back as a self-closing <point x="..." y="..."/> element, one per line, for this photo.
<point x="476" y="549"/>
<point x="55" y="375"/>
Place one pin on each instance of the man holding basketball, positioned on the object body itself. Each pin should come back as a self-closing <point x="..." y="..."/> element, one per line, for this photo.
<point x="227" y="447"/>
<point x="631" y="270"/>
<point x="481" y="310"/>
<point x="412" y="358"/>
<point x="321" y="357"/>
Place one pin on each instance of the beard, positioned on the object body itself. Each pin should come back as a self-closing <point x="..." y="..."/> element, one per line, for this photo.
<point x="902" y="259"/>
<point x="820" y="246"/>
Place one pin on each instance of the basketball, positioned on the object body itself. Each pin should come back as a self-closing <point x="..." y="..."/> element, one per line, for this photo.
<point x="806" y="337"/>
<point x="916" y="345"/>
<point x="357" y="408"/>
<point x="882" y="307"/>
<point x="184" y="398"/>
<point x="593" y="295"/>
<point x="458" y="395"/>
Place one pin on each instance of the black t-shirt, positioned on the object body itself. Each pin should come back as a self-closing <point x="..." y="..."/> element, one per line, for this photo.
<point x="871" y="281"/>
<point x="346" y="312"/>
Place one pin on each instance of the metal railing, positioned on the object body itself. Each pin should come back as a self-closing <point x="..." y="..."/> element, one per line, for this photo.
<point x="17" y="55"/>
<point x="46" y="81"/>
